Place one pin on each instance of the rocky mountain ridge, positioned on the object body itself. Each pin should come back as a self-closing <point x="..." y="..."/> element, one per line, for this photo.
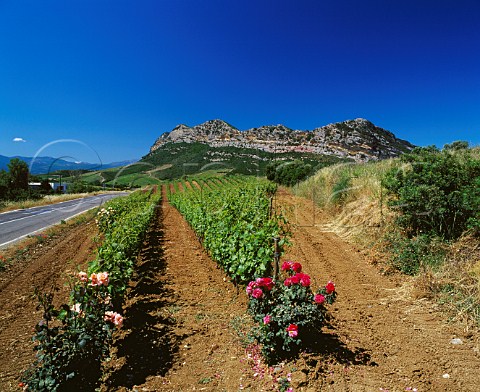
<point x="358" y="139"/>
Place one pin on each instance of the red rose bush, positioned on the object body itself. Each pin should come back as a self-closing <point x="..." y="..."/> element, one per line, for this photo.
<point x="287" y="310"/>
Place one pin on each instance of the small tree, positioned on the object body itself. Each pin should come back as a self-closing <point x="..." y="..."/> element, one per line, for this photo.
<point x="18" y="170"/>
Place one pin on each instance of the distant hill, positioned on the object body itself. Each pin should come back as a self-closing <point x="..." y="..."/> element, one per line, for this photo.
<point x="218" y="146"/>
<point x="44" y="165"/>
<point x="357" y="139"/>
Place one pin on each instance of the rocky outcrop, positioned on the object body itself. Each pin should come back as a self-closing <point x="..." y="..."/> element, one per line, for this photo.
<point x="358" y="139"/>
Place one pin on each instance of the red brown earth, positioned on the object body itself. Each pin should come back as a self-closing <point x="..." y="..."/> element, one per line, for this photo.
<point x="45" y="265"/>
<point x="183" y="317"/>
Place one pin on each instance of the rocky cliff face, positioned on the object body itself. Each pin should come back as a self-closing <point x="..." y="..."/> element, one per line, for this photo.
<point x="358" y="139"/>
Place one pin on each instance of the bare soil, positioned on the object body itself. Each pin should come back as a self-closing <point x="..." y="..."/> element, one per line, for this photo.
<point x="45" y="265"/>
<point x="179" y="312"/>
<point x="405" y="341"/>
<point x="183" y="319"/>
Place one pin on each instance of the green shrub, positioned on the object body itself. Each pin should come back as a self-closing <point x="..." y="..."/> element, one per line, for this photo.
<point x="410" y="255"/>
<point x="436" y="192"/>
<point x="73" y="340"/>
<point x="288" y="173"/>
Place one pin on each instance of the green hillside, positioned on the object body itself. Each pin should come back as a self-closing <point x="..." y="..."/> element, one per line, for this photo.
<point x="175" y="160"/>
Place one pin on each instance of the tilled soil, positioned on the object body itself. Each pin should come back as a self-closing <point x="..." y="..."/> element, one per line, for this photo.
<point x="180" y="309"/>
<point x="182" y="318"/>
<point x="406" y="342"/>
<point x="45" y="266"/>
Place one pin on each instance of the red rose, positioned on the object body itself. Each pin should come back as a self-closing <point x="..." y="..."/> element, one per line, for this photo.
<point x="296" y="278"/>
<point x="305" y="280"/>
<point x="292" y="330"/>
<point x="330" y="287"/>
<point x="257" y="293"/>
<point x="286" y="265"/>
<point x="297" y="267"/>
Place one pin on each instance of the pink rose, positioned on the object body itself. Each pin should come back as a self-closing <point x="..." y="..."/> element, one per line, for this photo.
<point x="252" y="285"/>
<point x="94" y="279"/>
<point x="102" y="278"/>
<point x="109" y="316"/>
<point x="82" y="276"/>
<point x="292" y="330"/>
<point x="114" y="317"/>
<point x="267" y="319"/>
<point x="118" y="320"/>
<point x="257" y="293"/>
<point x="330" y="287"/>
<point x="288" y="282"/>
<point x="319" y="299"/>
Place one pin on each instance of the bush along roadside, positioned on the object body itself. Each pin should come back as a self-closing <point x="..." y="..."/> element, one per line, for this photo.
<point x="73" y="339"/>
<point x="287" y="311"/>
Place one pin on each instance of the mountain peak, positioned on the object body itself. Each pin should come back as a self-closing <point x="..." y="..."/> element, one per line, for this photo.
<point x="358" y="139"/>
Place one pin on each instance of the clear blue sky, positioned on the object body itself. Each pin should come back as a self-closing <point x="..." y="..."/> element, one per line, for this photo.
<point x="116" y="74"/>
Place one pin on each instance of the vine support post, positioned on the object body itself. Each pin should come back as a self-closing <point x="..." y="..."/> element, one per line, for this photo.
<point x="276" y="257"/>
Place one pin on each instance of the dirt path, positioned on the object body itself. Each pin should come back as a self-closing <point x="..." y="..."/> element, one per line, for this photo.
<point x="179" y="316"/>
<point x="44" y="266"/>
<point x="405" y="342"/>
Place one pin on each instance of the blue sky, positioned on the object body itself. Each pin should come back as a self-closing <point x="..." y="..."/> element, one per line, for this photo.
<point x="114" y="75"/>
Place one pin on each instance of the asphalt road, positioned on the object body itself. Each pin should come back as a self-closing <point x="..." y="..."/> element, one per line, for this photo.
<point x="15" y="225"/>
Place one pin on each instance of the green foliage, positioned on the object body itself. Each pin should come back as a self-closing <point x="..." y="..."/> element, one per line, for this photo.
<point x="235" y="224"/>
<point x="124" y="231"/>
<point x="437" y="192"/>
<point x="14" y="183"/>
<point x="288" y="173"/>
<point x="18" y="171"/>
<point x="340" y="188"/>
<point x="411" y="255"/>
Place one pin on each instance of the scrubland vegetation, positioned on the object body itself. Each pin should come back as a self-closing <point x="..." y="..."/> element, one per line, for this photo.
<point x="421" y="211"/>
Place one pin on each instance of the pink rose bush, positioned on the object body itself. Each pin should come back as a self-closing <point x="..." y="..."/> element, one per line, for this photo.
<point x="287" y="310"/>
<point x="81" y="333"/>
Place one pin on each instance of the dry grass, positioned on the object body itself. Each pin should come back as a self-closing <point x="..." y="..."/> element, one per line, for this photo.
<point x="457" y="284"/>
<point x="49" y="199"/>
<point x="353" y="196"/>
